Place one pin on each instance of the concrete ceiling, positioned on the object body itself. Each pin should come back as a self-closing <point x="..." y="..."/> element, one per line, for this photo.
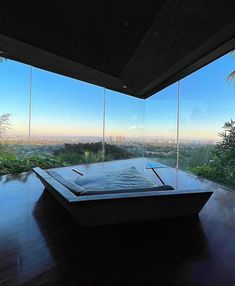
<point x="136" y="47"/>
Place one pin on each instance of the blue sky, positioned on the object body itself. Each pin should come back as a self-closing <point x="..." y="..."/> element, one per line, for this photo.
<point x="64" y="106"/>
<point x="207" y="100"/>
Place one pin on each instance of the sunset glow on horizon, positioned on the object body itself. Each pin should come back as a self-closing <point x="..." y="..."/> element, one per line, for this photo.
<point x="62" y="106"/>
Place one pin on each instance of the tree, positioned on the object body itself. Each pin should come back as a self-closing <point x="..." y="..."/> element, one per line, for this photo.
<point x="228" y="137"/>
<point x="4" y="124"/>
<point x="231" y="76"/>
<point x="221" y="167"/>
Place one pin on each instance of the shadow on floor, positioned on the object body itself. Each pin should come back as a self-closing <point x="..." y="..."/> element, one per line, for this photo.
<point x="150" y="253"/>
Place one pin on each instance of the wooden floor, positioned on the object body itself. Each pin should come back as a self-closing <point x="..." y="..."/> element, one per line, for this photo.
<point x="40" y="244"/>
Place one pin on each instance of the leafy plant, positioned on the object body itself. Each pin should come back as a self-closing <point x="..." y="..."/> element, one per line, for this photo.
<point x="231" y="76"/>
<point x="14" y="161"/>
<point x="10" y="163"/>
<point x="221" y="167"/>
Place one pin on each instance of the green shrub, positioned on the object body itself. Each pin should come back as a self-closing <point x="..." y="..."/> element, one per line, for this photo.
<point x="10" y="163"/>
<point x="84" y="153"/>
<point x="221" y="168"/>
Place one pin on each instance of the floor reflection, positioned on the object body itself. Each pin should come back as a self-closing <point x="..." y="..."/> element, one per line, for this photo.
<point x="14" y="177"/>
<point x="121" y="253"/>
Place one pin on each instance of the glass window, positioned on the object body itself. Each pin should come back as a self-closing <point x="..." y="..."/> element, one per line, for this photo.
<point x="207" y="102"/>
<point x="14" y="115"/>
<point x="67" y="119"/>
<point x="160" y="126"/>
<point x="124" y="126"/>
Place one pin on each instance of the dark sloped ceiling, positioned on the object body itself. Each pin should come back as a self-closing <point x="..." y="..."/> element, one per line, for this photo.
<point x="136" y="47"/>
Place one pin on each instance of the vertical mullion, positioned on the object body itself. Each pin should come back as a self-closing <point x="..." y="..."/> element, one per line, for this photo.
<point x="30" y="101"/>
<point x="103" y="139"/>
<point x="178" y="118"/>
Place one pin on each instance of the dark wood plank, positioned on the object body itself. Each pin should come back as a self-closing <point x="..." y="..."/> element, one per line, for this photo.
<point x="41" y="244"/>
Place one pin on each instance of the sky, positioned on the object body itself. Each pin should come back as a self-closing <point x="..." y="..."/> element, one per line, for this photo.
<point x="62" y="106"/>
